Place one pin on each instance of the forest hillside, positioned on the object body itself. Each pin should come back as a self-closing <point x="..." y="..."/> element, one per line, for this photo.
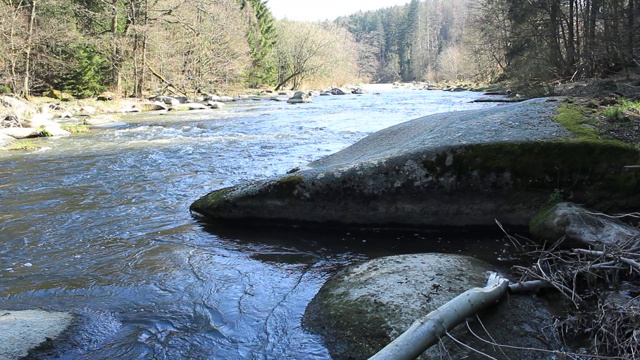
<point x="143" y="47"/>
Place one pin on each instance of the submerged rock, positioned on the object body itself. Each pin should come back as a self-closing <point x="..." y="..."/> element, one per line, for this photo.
<point x="453" y="169"/>
<point x="21" y="331"/>
<point x="364" y="307"/>
<point x="580" y="227"/>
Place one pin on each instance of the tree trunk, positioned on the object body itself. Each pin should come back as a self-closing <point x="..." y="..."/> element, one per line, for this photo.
<point x="571" y="45"/>
<point x="631" y="31"/>
<point x="286" y="80"/>
<point x="27" y="59"/>
<point x="554" y="31"/>
<point x="116" y="77"/>
<point x="139" y="84"/>
<point x="425" y="332"/>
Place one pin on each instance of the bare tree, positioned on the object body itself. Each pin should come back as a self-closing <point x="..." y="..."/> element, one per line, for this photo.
<point x="313" y="51"/>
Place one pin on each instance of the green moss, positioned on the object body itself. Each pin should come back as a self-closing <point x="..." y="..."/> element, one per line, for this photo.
<point x="573" y="119"/>
<point x="287" y="185"/>
<point x="210" y="200"/>
<point x="43" y="132"/>
<point x="75" y="129"/>
<point x="532" y="172"/>
<point x="584" y="124"/>
<point x="25" y="145"/>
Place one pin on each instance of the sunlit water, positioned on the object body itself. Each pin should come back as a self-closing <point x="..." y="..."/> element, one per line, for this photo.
<point x="99" y="225"/>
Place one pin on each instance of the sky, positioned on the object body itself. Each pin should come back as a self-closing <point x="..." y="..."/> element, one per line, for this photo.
<point x="320" y="10"/>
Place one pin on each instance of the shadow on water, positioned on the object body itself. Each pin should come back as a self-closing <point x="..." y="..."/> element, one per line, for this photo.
<point x="301" y="245"/>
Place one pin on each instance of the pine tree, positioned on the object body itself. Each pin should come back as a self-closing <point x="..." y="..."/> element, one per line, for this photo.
<point x="262" y="39"/>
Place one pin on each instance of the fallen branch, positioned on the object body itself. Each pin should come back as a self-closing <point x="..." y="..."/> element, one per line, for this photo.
<point x="529" y="286"/>
<point x="168" y="84"/>
<point x="633" y="263"/>
<point x="427" y="331"/>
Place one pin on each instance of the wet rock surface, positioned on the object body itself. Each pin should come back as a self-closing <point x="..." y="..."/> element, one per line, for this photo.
<point x="365" y="306"/>
<point x="581" y="227"/>
<point x="451" y="169"/>
<point x="21" y="331"/>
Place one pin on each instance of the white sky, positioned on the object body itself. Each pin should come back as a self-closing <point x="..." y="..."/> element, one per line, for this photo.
<point x="320" y="10"/>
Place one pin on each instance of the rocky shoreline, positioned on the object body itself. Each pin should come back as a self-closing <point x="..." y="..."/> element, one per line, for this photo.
<point x="62" y="116"/>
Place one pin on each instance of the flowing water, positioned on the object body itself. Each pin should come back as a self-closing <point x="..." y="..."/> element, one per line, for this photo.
<point x="98" y="225"/>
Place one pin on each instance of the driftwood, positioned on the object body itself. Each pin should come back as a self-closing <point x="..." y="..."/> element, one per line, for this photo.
<point x="425" y="332"/>
<point x="168" y="84"/>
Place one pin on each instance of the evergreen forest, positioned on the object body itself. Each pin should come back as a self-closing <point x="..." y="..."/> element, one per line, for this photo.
<point x="141" y="47"/>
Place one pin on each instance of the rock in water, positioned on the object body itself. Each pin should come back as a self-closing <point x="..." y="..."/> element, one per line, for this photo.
<point x="300" y="98"/>
<point x="451" y="169"/>
<point x="365" y="306"/>
<point x="21" y="331"/>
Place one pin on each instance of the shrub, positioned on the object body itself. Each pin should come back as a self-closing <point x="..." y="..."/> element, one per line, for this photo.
<point x="88" y="74"/>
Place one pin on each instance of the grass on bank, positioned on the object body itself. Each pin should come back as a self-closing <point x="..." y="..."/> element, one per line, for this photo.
<point x="585" y="123"/>
<point x="76" y="129"/>
<point x="623" y="110"/>
<point x="23" y="145"/>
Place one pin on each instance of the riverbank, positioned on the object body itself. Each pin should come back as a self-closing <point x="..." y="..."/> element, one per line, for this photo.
<point x="608" y="105"/>
<point x="64" y="115"/>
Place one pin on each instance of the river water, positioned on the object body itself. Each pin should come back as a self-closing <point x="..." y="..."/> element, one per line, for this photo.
<point x="98" y="224"/>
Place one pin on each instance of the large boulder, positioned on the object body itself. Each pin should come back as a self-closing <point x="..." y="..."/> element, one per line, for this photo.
<point x="453" y="169"/>
<point x="21" y="331"/>
<point x="5" y="139"/>
<point x="19" y="132"/>
<point x="44" y="126"/>
<point x="365" y="306"/>
<point x="167" y="100"/>
<point x="153" y="106"/>
<point x="580" y="227"/>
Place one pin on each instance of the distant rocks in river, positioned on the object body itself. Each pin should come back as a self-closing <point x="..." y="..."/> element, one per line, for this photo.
<point x="300" y="97"/>
<point x="451" y="169"/>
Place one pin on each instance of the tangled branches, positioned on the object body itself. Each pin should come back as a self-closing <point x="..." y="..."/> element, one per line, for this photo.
<point x="603" y="286"/>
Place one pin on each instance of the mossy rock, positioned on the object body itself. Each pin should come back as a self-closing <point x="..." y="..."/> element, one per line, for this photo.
<point x="365" y="306"/>
<point x="579" y="227"/>
<point x="58" y="95"/>
<point x="454" y="169"/>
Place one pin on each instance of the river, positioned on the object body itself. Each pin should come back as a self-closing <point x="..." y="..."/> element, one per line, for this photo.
<point x="98" y="225"/>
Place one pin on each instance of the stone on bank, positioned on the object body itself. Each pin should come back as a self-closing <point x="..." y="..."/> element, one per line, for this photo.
<point x="581" y="227"/>
<point x="365" y="306"/>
